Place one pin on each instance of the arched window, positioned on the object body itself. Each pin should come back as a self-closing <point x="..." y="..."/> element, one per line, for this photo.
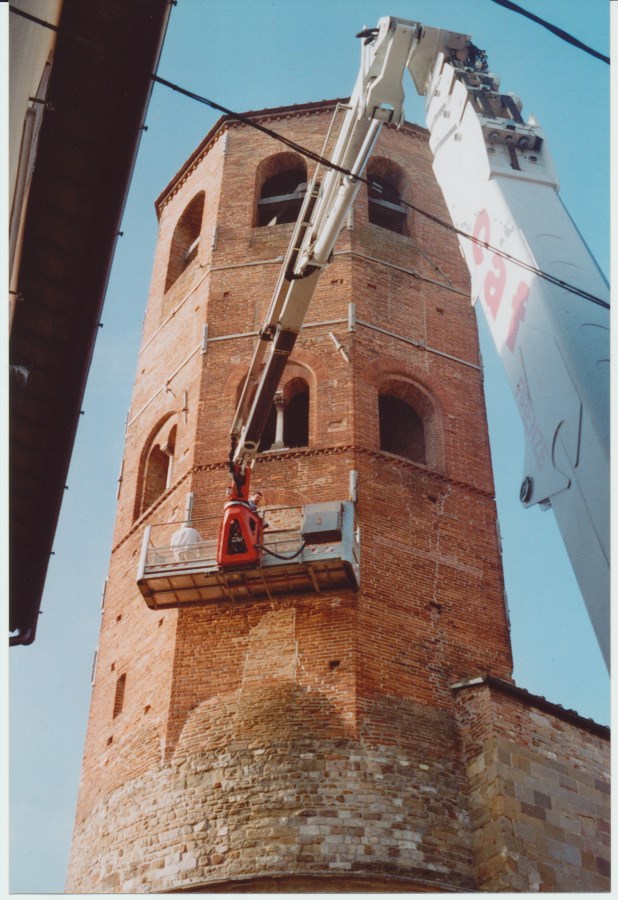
<point x="384" y="196"/>
<point x="401" y="429"/>
<point x="288" y="421"/>
<point x="156" y="476"/>
<point x="185" y="240"/>
<point x="282" y="189"/>
<point x="296" y="414"/>
<point x="158" y="468"/>
<point x="410" y="421"/>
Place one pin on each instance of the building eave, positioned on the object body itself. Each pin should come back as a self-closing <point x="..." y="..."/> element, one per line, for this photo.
<point x="534" y="700"/>
<point x="270" y="114"/>
<point x="98" y="93"/>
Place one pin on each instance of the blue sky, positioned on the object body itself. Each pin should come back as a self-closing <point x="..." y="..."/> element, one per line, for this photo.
<point x="251" y="54"/>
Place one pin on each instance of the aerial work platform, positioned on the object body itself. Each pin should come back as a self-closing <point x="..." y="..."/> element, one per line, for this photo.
<point x="314" y="549"/>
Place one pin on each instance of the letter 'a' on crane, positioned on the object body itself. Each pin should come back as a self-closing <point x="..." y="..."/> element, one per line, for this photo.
<point x="541" y="291"/>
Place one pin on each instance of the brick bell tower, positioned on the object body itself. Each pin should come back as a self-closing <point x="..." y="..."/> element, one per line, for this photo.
<point x="299" y="734"/>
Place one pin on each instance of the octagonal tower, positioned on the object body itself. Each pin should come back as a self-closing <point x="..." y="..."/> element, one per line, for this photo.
<point x="312" y="737"/>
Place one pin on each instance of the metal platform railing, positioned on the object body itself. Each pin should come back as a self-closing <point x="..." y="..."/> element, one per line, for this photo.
<point x="297" y="558"/>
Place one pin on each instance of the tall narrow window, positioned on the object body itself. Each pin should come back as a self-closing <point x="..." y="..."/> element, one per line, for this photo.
<point x="157" y="467"/>
<point x="121" y="683"/>
<point x="282" y="194"/>
<point x="296" y="416"/>
<point x="401" y="429"/>
<point x="185" y="240"/>
<point x="156" y="475"/>
<point x="385" y="206"/>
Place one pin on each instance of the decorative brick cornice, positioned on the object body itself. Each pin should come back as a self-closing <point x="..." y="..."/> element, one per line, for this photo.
<point x="306" y="453"/>
<point x="229" y="121"/>
<point x="338" y="449"/>
<point x="275" y="114"/>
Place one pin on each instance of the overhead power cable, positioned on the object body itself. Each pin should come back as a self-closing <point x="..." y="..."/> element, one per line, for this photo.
<point x="248" y="120"/>
<point x="321" y="160"/>
<point x="546" y="276"/>
<point x="564" y="35"/>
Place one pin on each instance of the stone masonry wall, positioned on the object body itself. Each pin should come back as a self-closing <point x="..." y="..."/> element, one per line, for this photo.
<point x="539" y="792"/>
<point x="268" y="780"/>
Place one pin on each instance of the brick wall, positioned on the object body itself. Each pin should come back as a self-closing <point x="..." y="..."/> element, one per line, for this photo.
<point x="281" y="743"/>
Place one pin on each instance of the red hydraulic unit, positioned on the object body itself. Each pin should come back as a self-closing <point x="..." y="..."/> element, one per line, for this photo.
<point x="240" y="533"/>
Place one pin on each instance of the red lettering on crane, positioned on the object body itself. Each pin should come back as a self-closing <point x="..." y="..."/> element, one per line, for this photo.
<point x="495" y="282"/>
<point x="481" y="225"/>
<point x="519" y="314"/>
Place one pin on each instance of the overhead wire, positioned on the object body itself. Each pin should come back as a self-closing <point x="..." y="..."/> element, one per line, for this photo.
<point x="559" y="32"/>
<point x="247" y="119"/>
<point x="321" y="160"/>
<point x="546" y="276"/>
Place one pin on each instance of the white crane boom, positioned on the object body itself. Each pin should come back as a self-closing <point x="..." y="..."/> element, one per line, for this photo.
<point x="501" y="191"/>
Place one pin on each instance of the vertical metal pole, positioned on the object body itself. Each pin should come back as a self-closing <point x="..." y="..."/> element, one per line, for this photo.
<point x="120" y="479"/>
<point x="103" y="593"/>
<point x="189" y="507"/>
<point x="353" y="485"/>
<point x="144" y="554"/>
<point x="93" y="673"/>
<point x="351" y="317"/>
<point x="185" y="405"/>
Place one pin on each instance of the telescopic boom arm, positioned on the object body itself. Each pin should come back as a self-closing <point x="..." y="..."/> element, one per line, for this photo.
<point x="501" y="190"/>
